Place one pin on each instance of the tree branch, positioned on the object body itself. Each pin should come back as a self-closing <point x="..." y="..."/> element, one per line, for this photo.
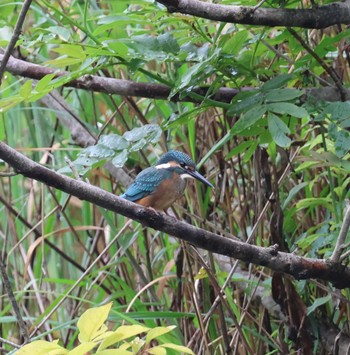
<point x="147" y="90"/>
<point x="112" y="85"/>
<point x="299" y="267"/>
<point x="319" y="17"/>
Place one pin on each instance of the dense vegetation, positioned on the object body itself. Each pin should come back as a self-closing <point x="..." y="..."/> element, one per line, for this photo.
<point x="263" y="111"/>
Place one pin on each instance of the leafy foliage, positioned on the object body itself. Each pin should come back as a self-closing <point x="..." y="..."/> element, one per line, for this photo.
<point x="93" y="333"/>
<point x="115" y="148"/>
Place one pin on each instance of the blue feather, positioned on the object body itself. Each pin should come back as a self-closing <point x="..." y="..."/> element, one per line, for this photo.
<point x="145" y="183"/>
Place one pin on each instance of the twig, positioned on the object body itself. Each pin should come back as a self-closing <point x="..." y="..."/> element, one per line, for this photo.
<point x="8" y="288"/>
<point x="342" y="235"/>
<point x="8" y="174"/>
<point x="14" y="38"/>
<point x="329" y="70"/>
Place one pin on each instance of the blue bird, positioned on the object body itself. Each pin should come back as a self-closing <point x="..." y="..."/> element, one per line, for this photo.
<point x="161" y="185"/>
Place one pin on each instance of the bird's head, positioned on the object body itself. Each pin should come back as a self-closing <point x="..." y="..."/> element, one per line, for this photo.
<point x="182" y="164"/>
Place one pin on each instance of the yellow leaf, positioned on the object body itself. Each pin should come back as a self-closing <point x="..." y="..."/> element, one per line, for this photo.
<point x="157" y="350"/>
<point x="201" y="274"/>
<point x="82" y="349"/>
<point x="114" y="352"/>
<point x="179" y="348"/>
<point x="90" y="323"/>
<point x="123" y="332"/>
<point x="157" y="332"/>
<point x="137" y="344"/>
<point x="42" y="347"/>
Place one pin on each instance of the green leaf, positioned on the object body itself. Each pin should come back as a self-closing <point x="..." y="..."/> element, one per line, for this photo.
<point x="117" y="48"/>
<point x="341" y="140"/>
<point x="313" y="202"/>
<point x="120" y="159"/>
<point x="318" y="302"/>
<point x="287" y="108"/>
<point x="151" y="133"/>
<point x="278" y="130"/>
<point x="84" y="161"/>
<point x="168" y="43"/>
<point x="26" y="89"/>
<point x="9" y="102"/>
<point x="342" y="143"/>
<point x="276" y="82"/>
<point x="63" y="32"/>
<point x="339" y="113"/>
<point x="114" y="141"/>
<point x="91" y="321"/>
<point x="245" y="101"/>
<point x="150" y="47"/>
<point x="293" y="193"/>
<point x="235" y="43"/>
<point x="106" y="23"/>
<point x="202" y="68"/>
<point x="71" y="50"/>
<point x="43" y="83"/>
<point x="249" y="153"/>
<point x="98" y="151"/>
<point x="249" y="118"/>
<point x="239" y="149"/>
<point x="63" y="61"/>
<point x="277" y="95"/>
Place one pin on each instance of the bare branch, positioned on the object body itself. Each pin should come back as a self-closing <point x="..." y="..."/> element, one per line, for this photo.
<point x="319" y="17"/>
<point x="299" y="267"/>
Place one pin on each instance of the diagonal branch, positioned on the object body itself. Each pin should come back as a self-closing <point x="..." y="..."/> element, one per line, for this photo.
<point x="299" y="267"/>
<point x="319" y="17"/>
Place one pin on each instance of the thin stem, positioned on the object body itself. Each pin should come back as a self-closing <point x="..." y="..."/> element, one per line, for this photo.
<point x="17" y="31"/>
<point x="342" y="234"/>
<point x="8" y="288"/>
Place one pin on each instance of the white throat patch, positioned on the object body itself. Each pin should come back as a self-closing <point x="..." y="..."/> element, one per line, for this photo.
<point x="186" y="176"/>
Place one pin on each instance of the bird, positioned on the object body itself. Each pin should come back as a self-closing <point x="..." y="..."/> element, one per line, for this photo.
<point x="159" y="186"/>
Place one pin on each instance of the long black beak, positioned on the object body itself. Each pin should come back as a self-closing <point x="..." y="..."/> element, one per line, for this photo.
<point x="199" y="177"/>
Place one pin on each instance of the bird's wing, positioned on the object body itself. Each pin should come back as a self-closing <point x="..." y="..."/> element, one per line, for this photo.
<point x="145" y="183"/>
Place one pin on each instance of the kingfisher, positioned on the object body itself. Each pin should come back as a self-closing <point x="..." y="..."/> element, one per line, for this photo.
<point x="161" y="185"/>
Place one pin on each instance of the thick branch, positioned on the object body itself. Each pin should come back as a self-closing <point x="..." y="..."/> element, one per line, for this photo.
<point x="299" y="267"/>
<point x="147" y="90"/>
<point x="319" y="17"/>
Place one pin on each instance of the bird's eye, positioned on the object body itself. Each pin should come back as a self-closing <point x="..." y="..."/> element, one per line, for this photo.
<point x="183" y="165"/>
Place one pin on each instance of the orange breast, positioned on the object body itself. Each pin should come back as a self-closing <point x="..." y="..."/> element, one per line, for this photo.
<point x="166" y="194"/>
